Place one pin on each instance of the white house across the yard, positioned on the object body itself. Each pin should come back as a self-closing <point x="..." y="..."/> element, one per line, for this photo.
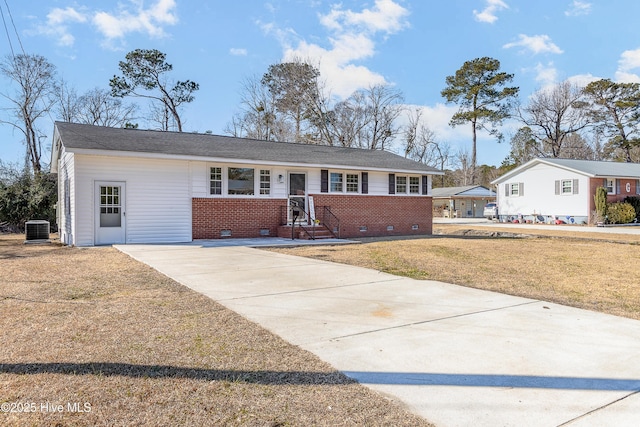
<point x="549" y="190"/>
<point x="141" y="186"/>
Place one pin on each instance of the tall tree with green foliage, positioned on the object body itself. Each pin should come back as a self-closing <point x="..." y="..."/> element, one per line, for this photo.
<point x="615" y="109"/>
<point x="144" y="75"/>
<point x="479" y="88"/>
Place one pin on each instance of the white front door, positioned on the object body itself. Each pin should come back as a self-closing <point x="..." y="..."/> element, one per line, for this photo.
<point x="110" y="220"/>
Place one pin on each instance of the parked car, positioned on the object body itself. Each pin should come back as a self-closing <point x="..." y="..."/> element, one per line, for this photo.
<point x="490" y="211"/>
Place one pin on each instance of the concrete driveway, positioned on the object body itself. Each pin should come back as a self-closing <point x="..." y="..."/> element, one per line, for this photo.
<point x="454" y="355"/>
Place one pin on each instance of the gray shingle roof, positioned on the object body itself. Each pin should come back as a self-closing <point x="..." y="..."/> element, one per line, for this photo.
<point x="215" y="147"/>
<point x="470" y="190"/>
<point x="591" y="168"/>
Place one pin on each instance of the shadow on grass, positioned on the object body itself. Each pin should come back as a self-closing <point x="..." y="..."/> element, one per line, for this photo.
<point x="324" y="378"/>
<point x="163" y="371"/>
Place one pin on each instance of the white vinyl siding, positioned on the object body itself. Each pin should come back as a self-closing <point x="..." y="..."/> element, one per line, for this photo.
<point x="158" y="198"/>
<point x="537" y="195"/>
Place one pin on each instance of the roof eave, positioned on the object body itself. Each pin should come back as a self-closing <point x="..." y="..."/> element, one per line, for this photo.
<point x="212" y="159"/>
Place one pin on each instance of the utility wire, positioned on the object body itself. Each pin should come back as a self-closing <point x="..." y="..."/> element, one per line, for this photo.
<point x="15" y="30"/>
<point x="6" y="30"/>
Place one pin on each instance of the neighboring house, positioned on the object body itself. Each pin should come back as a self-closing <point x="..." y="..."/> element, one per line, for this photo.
<point x="545" y="190"/>
<point x="139" y="186"/>
<point x="461" y="202"/>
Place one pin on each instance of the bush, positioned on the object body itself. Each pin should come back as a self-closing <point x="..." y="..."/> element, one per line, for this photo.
<point x="621" y="213"/>
<point x="635" y="202"/>
<point x="24" y="197"/>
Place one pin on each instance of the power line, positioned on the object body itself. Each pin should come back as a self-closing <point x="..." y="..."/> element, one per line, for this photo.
<point x="15" y="30"/>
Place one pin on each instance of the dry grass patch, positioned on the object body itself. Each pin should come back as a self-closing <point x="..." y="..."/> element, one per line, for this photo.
<point x="94" y="326"/>
<point x="578" y="271"/>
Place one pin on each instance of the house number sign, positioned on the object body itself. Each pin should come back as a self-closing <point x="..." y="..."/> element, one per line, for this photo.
<point x="628" y="187"/>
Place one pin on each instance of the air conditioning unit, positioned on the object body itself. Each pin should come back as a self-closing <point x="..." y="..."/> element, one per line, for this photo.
<point x="37" y="230"/>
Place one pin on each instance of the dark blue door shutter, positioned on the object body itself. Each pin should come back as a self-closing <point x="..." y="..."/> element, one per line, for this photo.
<point x="365" y="182"/>
<point x="392" y="183"/>
<point x="324" y="180"/>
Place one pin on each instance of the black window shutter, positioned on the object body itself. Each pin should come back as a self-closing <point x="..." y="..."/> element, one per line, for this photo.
<point x="365" y="182"/>
<point x="324" y="180"/>
<point x="392" y="183"/>
<point x="425" y="185"/>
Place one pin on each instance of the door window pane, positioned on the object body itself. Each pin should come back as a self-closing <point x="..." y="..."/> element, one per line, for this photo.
<point x="110" y="207"/>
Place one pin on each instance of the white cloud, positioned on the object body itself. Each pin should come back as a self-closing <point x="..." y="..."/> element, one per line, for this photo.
<point x="238" y="51"/>
<point x="546" y="75"/>
<point x="57" y="26"/>
<point x="535" y="44"/>
<point x="578" y="8"/>
<point x="150" y="20"/>
<point x="352" y="38"/>
<point x="488" y="14"/>
<point x="628" y="62"/>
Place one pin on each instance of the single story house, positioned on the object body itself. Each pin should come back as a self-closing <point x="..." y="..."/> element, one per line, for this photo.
<point x="546" y="190"/>
<point x="142" y="186"/>
<point x="461" y="202"/>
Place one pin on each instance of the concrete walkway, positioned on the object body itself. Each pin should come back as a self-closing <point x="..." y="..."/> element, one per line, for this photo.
<point x="454" y="355"/>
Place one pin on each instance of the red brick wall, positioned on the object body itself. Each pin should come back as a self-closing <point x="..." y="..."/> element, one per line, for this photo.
<point x="378" y="212"/>
<point x="246" y="217"/>
<point x="594" y="183"/>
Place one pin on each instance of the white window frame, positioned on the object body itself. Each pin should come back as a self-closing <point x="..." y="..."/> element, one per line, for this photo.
<point x="516" y="186"/>
<point x="611" y="186"/>
<point x="400" y="185"/>
<point x="264" y="182"/>
<point x="566" y="190"/>
<point x="414" y="187"/>
<point x="349" y="182"/>
<point x="336" y="189"/>
<point x="409" y="187"/>
<point x="220" y="173"/>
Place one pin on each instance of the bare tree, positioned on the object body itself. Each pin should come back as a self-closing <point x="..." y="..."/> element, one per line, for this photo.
<point x="381" y="106"/>
<point x="465" y="170"/>
<point x="420" y="142"/>
<point x="96" y="107"/>
<point x="293" y="85"/>
<point x="33" y="78"/>
<point x="552" y="115"/>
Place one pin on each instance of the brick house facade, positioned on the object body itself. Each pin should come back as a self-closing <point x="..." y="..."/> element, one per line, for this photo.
<point x="137" y="186"/>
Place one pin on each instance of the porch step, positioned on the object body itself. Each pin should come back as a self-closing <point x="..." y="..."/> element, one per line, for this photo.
<point x="320" y="232"/>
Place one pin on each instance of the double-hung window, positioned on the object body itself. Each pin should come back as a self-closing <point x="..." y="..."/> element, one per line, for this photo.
<point x="567" y="186"/>
<point x="336" y="182"/>
<point x="215" y="181"/>
<point x="414" y="185"/>
<point x="265" y="181"/>
<point x="401" y="184"/>
<point x="611" y="186"/>
<point x="353" y="183"/>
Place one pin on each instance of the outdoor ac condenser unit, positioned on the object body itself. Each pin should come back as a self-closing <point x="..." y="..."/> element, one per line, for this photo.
<point x="37" y="230"/>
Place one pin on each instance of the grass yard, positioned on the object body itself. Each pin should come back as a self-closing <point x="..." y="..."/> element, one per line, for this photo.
<point x="587" y="270"/>
<point x="92" y="337"/>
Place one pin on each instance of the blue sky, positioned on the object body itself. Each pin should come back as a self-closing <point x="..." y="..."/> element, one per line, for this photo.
<point x="411" y="44"/>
